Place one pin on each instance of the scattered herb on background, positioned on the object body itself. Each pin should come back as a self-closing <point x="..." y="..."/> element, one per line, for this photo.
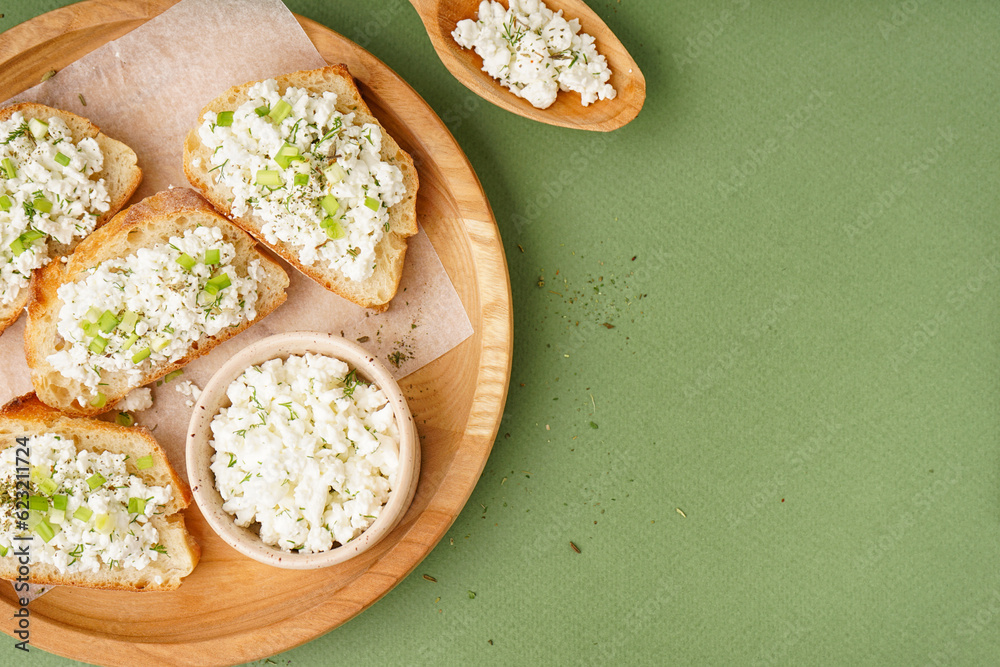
<point x="574" y="547"/>
<point x="48" y="75"/>
<point x="593" y="424"/>
<point x="82" y="100"/>
<point x="430" y="578"/>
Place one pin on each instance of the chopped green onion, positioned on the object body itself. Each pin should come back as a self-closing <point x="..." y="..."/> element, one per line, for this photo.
<point x="187" y="261"/>
<point x="224" y="119"/>
<point x="261" y="110"/>
<point x="129" y="320"/>
<point x="8" y="167"/>
<point x="98" y="344"/>
<point x="124" y="419"/>
<point x="269" y="177"/>
<point x="42" y="205"/>
<point x="94" y="315"/>
<point x="16" y="247"/>
<point x="130" y="341"/>
<point x="301" y="179"/>
<point x="330" y="204"/>
<point x="3" y="551"/>
<point x="140" y="355"/>
<point x="286" y="154"/>
<point x="5" y="203"/>
<point x="62" y="159"/>
<point x="95" y="480"/>
<point x="60" y="502"/>
<point x="173" y="375"/>
<point x="48" y="486"/>
<point x="334" y="173"/>
<point x="38" y="503"/>
<point x="333" y="228"/>
<point x="99" y="401"/>
<point x="83" y="513"/>
<point x="219" y="282"/>
<point x="144" y="462"/>
<point x="212" y="257"/>
<point x="38" y="473"/>
<point x="372" y="203"/>
<point x="103" y="524"/>
<point x="160" y="344"/>
<point x="136" y="506"/>
<point x="34" y="518"/>
<point x="107" y="321"/>
<point x="57" y="516"/>
<point x="280" y="111"/>
<point x="39" y="128"/>
<point x="45" y="530"/>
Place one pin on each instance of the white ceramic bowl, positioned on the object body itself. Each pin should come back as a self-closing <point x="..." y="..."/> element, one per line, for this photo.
<point x="200" y="450"/>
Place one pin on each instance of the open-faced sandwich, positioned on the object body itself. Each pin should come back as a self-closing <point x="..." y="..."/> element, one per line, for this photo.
<point x="60" y="178"/>
<point x="164" y="282"/>
<point x="300" y="163"/>
<point x="88" y="503"/>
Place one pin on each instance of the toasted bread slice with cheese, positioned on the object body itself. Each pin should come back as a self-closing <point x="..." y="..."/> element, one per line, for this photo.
<point x="178" y="553"/>
<point x="376" y="291"/>
<point x="152" y="221"/>
<point x="120" y="173"/>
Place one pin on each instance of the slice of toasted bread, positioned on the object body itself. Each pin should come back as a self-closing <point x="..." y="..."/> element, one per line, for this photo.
<point x="153" y="220"/>
<point x="27" y="416"/>
<point x="119" y="171"/>
<point x="376" y="291"/>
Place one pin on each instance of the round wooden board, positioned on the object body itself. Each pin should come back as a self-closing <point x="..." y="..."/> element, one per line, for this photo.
<point x="232" y="609"/>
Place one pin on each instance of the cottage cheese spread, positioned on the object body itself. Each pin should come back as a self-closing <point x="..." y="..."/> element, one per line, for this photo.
<point x="128" y="314"/>
<point x="47" y="193"/>
<point x="536" y="52"/>
<point x="87" y="511"/>
<point x="137" y="400"/>
<point x="312" y="173"/>
<point x="307" y="451"/>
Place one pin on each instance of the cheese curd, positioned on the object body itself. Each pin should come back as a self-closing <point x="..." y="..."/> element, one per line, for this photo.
<point x="536" y="52"/>
<point x="315" y="175"/>
<point x="47" y="195"/>
<point x="137" y="400"/>
<point x="307" y="451"/>
<point x="127" y="314"/>
<point x="104" y="518"/>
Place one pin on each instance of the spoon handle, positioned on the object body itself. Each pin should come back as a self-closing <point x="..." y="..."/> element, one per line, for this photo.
<point x="425" y="8"/>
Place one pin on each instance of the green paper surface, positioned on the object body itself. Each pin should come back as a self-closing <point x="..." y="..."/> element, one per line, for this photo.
<point x="770" y="303"/>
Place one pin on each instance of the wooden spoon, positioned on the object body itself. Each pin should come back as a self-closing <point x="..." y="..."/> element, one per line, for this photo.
<point x="440" y="18"/>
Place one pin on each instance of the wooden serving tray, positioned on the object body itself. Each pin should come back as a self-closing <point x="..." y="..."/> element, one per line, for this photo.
<point x="232" y="609"/>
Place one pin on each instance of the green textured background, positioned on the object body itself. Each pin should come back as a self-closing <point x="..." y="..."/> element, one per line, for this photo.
<point x="796" y="242"/>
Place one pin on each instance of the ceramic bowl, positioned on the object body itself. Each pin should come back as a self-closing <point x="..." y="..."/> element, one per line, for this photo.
<point x="200" y="451"/>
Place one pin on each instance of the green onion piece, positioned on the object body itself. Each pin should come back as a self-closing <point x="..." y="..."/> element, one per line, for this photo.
<point x="144" y="462"/>
<point x="124" y="419"/>
<point x="3" y="551"/>
<point x="269" y="177"/>
<point x="173" y="375"/>
<point x="224" y="119"/>
<point x="93" y="315"/>
<point x="16" y="246"/>
<point x="334" y="173"/>
<point x="99" y="401"/>
<point x="187" y="261"/>
<point x="103" y="524"/>
<point x="140" y="355"/>
<point x="129" y="320"/>
<point x="280" y="111"/>
<point x="219" y="282"/>
<point x="261" y="110"/>
<point x="372" y="203"/>
<point x="89" y="328"/>
<point x="39" y="128"/>
<point x="136" y="506"/>
<point x="95" y="480"/>
<point x="212" y="257"/>
<point x="98" y="344"/>
<point x="60" y="502"/>
<point x="107" y="321"/>
<point x="330" y="204"/>
<point x="57" y="516"/>
<point x="62" y="159"/>
<point x="38" y="473"/>
<point x="45" y="530"/>
<point x="130" y="341"/>
<point x="48" y="486"/>
<point x="83" y="513"/>
<point x="42" y="205"/>
<point x="160" y="344"/>
<point x="286" y="154"/>
<point x="34" y="518"/>
<point x="38" y="503"/>
<point x="301" y="179"/>
<point x="8" y="167"/>
<point x="5" y="203"/>
<point x="333" y="229"/>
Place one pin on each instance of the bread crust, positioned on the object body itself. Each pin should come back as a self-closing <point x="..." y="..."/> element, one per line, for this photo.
<point x="375" y="292"/>
<point x="120" y="172"/>
<point x="150" y="221"/>
<point x="27" y="416"/>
